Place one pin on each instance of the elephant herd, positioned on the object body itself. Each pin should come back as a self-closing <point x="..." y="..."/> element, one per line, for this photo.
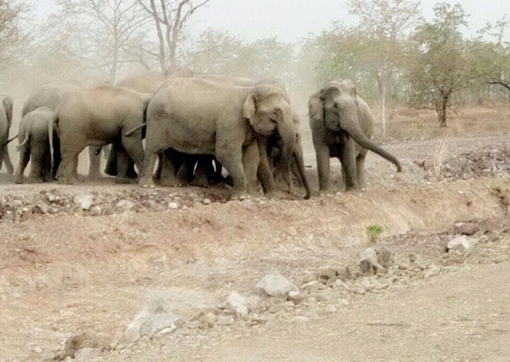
<point x="185" y="130"/>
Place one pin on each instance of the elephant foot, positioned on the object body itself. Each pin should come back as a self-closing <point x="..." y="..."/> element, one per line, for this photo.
<point x="146" y="183"/>
<point x="18" y="181"/>
<point x="200" y="183"/>
<point x="239" y="196"/>
<point x="124" y="181"/>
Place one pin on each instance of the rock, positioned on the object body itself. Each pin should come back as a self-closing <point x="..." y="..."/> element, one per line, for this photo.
<point x="255" y="303"/>
<point x="87" y="354"/>
<point x="95" y="210"/>
<point x="206" y="201"/>
<point x="41" y="207"/>
<point x="385" y="257"/>
<point x="465" y="229"/>
<point x="153" y="318"/>
<point x="210" y="319"/>
<point x="432" y="270"/>
<point x="173" y="205"/>
<point x="125" y="205"/>
<point x="80" y="341"/>
<point x="460" y="243"/>
<point x="242" y="311"/>
<point x="275" y="285"/>
<point x="38" y="349"/>
<point x="326" y="274"/>
<point x="295" y="296"/>
<point x="84" y="201"/>
<point x="235" y="301"/>
<point x="225" y="320"/>
<point x="159" y="262"/>
<point x="368" y="261"/>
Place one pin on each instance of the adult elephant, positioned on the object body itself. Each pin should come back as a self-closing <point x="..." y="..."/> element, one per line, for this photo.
<point x="34" y="144"/>
<point x="341" y="124"/>
<point x="50" y="95"/>
<point x="298" y="165"/>
<point x="6" y="109"/>
<point x="195" y="116"/>
<point x="96" y="117"/>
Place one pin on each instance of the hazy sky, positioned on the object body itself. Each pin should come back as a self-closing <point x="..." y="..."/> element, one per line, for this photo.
<point x="290" y="20"/>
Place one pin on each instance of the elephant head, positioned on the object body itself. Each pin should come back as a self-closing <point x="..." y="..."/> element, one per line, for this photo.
<point x="338" y="106"/>
<point x="268" y="110"/>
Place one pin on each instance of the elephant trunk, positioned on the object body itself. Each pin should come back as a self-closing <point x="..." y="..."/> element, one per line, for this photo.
<point x="298" y="157"/>
<point x="287" y="135"/>
<point x="357" y="134"/>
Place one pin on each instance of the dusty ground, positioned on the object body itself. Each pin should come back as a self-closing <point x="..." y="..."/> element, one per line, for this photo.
<point x="65" y="270"/>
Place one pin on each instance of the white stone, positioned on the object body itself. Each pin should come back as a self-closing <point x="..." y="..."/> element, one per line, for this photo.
<point x="125" y="204"/>
<point x="87" y="354"/>
<point x="460" y="242"/>
<point x="173" y="205"/>
<point x="225" y="320"/>
<point x="206" y="201"/>
<point x="84" y="201"/>
<point x="275" y="285"/>
<point x="235" y="300"/>
<point x="153" y="318"/>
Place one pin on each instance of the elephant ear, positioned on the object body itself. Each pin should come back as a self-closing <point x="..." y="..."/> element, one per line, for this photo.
<point x="315" y="107"/>
<point x="250" y="106"/>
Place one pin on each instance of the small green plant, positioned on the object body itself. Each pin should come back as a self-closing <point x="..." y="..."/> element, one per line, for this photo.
<point x="373" y="232"/>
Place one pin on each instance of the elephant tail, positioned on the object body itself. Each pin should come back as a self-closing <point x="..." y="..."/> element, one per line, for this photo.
<point x="25" y="141"/>
<point x="143" y="125"/>
<point x="8" y="141"/>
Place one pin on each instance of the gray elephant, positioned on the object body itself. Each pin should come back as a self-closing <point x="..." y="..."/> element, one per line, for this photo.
<point x="6" y="109"/>
<point x="50" y="95"/>
<point x="232" y="123"/>
<point x="341" y="124"/>
<point x="298" y="166"/>
<point x="33" y="135"/>
<point x="96" y="117"/>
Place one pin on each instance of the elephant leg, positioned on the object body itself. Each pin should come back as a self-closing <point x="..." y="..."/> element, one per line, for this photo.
<point x="322" y="154"/>
<point x="122" y="160"/>
<point x="70" y="149"/>
<point x="94" y="162"/>
<point x="37" y="167"/>
<point x="348" y="159"/>
<point x="7" y="161"/>
<point x="184" y="174"/>
<point x="202" y="171"/>
<point x="134" y="149"/>
<point x="111" y="165"/>
<point x="251" y="160"/>
<point x="231" y="158"/>
<point x="131" y="172"/>
<point x="24" y="158"/>
<point x="360" y="167"/>
<point x="171" y="161"/>
<point x="264" y="173"/>
<point x="57" y="156"/>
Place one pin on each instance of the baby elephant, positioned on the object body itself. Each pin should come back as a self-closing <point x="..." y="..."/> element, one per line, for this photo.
<point x="35" y="145"/>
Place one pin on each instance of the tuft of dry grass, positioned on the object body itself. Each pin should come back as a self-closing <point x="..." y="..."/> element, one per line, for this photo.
<point x="440" y="156"/>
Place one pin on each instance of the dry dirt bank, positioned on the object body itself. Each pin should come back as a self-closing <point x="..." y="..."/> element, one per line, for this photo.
<point x="61" y="274"/>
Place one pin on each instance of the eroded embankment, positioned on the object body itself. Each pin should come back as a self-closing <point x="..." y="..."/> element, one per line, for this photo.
<point x="55" y="249"/>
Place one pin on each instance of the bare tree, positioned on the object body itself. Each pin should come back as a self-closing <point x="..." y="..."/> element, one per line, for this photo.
<point x="11" y="36"/>
<point x="107" y="35"/>
<point x="170" y="18"/>
<point x="384" y="24"/>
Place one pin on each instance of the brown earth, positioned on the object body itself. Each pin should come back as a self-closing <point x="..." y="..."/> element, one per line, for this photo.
<point x="65" y="270"/>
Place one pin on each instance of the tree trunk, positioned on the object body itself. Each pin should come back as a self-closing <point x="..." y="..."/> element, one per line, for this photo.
<point x="383" y="111"/>
<point x="441" y="110"/>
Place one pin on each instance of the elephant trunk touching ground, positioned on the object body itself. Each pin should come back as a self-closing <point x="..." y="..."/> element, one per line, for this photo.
<point x="351" y="127"/>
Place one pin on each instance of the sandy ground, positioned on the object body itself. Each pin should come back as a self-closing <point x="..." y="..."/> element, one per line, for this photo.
<point x="68" y="271"/>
